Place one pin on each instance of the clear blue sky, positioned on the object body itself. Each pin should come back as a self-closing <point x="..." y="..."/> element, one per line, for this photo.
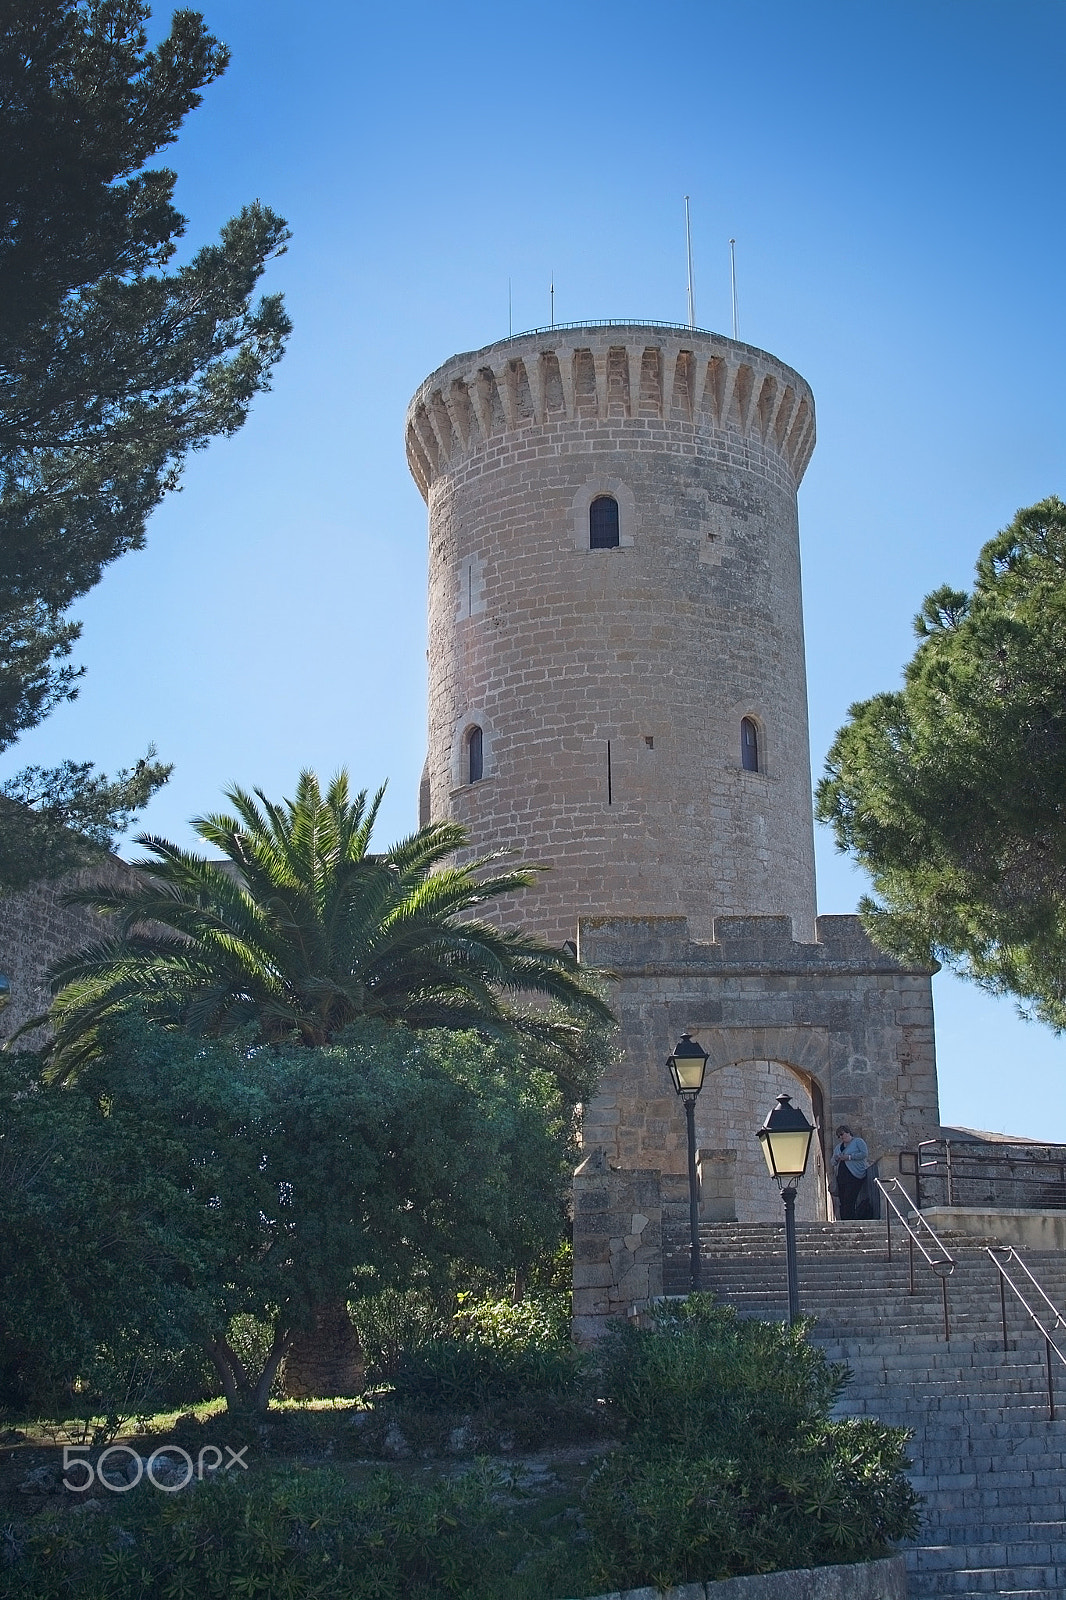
<point x="893" y="175"/>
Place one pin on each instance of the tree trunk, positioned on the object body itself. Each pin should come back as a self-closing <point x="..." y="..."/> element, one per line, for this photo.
<point x="244" y="1392"/>
<point x="327" y="1359"/>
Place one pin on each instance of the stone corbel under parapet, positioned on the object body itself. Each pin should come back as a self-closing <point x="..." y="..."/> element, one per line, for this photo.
<point x="626" y="374"/>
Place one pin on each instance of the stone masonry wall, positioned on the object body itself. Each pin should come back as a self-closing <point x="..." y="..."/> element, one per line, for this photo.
<point x="836" y="1024"/>
<point x="36" y="928"/>
<point x="609" y="687"/>
<point x="618" y="1243"/>
<point x="610" y="684"/>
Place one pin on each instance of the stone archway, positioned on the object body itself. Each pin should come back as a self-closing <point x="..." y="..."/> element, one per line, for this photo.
<point x="735" y="1100"/>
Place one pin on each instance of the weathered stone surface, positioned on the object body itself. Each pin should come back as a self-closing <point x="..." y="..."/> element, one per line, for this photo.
<point x="615" y="1273"/>
<point x="609" y="687"/>
<point x="657" y="648"/>
<point x="822" y="1022"/>
<point x="866" y="1580"/>
<point x="36" y="929"/>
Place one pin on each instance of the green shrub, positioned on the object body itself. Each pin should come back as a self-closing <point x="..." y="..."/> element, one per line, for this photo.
<point x="703" y="1372"/>
<point x="289" y="1536"/>
<point x="730" y="1463"/>
<point x="840" y="1495"/>
<point x="395" y="1321"/>
<point x="494" y="1349"/>
<point x="540" y="1320"/>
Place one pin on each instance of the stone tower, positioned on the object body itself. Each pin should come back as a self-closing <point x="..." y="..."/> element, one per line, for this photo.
<point x="604" y="689"/>
<point x="617" y="692"/>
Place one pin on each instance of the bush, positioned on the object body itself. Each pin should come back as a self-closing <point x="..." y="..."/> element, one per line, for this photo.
<point x="394" y="1321"/>
<point x="302" y="1535"/>
<point x="704" y="1373"/>
<point x="730" y="1463"/>
<point x="493" y="1349"/>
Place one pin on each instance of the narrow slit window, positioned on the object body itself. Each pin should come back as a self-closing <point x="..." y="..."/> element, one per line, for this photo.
<point x="475" y="756"/>
<point x="603" y="523"/>
<point x="749" y="745"/>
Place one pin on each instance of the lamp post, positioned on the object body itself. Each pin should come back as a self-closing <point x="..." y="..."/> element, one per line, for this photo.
<point x="687" y="1066"/>
<point x="785" y="1137"/>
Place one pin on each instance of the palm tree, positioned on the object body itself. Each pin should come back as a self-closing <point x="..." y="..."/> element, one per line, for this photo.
<point x="295" y="934"/>
<point x="301" y="929"/>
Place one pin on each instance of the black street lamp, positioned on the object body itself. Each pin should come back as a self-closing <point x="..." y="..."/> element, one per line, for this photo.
<point x="687" y="1066"/>
<point x="785" y="1137"/>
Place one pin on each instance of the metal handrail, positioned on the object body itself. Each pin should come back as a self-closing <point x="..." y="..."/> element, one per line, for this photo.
<point x="1009" y="1252"/>
<point x="941" y="1265"/>
<point x="957" y="1162"/>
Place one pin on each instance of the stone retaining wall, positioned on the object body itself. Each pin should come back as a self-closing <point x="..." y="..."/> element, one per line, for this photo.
<point x="1026" y="1230"/>
<point x="865" y="1580"/>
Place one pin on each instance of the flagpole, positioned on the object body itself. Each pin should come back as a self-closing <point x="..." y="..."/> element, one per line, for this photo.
<point x="688" y="249"/>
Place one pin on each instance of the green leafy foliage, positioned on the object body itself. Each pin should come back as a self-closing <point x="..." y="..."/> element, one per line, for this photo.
<point x="490" y="1375"/>
<point x="112" y="367"/>
<point x="395" y="1321"/>
<point x="762" y="1481"/>
<point x="303" y="930"/>
<point x="730" y="1463"/>
<point x="183" y="1183"/>
<point x="704" y="1372"/>
<point x="56" y="819"/>
<point x="950" y="791"/>
<point x="508" y="1375"/>
<point x="492" y="1348"/>
<point x="293" y="1536"/>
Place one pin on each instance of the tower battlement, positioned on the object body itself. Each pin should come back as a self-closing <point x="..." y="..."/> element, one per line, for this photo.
<point x="604" y="372"/>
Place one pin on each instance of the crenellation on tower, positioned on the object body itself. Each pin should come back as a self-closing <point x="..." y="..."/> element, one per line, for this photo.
<point x="604" y="372"/>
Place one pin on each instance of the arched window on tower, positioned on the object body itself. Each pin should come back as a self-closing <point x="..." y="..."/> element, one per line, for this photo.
<point x="475" y="756"/>
<point x="749" y="745"/>
<point x="603" y="523"/>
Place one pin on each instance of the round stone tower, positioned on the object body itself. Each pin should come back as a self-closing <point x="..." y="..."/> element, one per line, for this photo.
<point x="616" y="668"/>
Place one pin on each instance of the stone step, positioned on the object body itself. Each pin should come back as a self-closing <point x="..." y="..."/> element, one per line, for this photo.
<point x="963" y="1530"/>
<point x="990" y="1463"/>
<point x="982" y="1581"/>
<point x="948" y="1470"/>
<point x="962" y="1351"/>
<point x="927" y="1444"/>
<point x="965" y="1387"/>
<point x="996" y="1553"/>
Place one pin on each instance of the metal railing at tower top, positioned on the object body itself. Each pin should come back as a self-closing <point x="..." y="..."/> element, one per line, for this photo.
<point x="941" y="1262"/>
<point x="616" y="322"/>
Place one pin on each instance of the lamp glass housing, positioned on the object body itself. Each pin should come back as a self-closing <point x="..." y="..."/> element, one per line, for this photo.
<point x="786" y="1137"/>
<point x="687" y="1065"/>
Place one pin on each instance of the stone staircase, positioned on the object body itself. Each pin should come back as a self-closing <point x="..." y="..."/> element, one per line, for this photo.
<point x="988" y="1460"/>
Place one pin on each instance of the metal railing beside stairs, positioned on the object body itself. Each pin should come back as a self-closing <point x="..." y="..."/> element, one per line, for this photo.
<point x="960" y="1172"/>
<point x="1051" y="1314"/>
<point x="941" y="1262"/>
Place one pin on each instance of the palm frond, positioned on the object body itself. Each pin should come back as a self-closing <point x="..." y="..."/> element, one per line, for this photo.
<point x="304" y="929"/>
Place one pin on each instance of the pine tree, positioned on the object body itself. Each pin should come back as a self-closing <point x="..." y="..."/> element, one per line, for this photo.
<point x="951" y="792"/>
<point x="112" y="366"/>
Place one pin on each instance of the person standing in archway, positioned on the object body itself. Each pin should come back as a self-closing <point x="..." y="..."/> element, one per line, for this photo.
<point x="850" y="1159"/>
